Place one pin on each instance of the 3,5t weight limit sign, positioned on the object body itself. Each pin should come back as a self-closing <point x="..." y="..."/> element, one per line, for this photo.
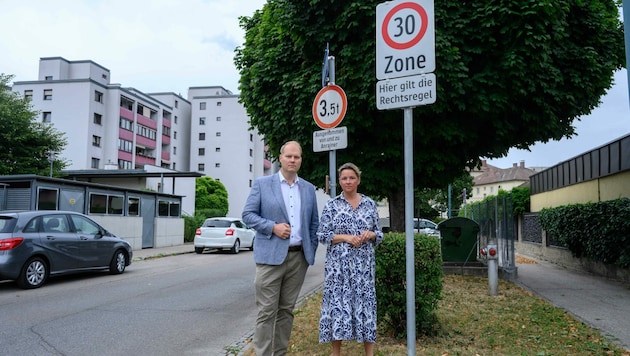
<point x="405" y="38"/>
<point x="330" y="106"/>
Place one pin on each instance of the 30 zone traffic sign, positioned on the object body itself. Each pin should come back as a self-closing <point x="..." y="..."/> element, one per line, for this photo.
<point x="405" y="38"/>
<point x="330" y="106"/>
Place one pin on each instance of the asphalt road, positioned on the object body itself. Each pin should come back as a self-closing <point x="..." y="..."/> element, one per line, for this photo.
<point x="177" y="305"/>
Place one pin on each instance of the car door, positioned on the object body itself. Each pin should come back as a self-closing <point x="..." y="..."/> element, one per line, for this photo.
<point x="245" y="234"/>
<point x="95" y="249"/>
<point x="59" y="242"/>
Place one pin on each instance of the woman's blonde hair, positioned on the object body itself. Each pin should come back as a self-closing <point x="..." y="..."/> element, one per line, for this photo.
<point x="350" y="166"/>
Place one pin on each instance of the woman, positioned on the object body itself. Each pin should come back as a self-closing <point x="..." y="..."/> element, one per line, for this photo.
<point x="349" y="228"/>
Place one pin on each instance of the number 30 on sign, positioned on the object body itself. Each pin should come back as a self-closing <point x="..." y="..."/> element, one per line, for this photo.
<point x="329" y="107"/>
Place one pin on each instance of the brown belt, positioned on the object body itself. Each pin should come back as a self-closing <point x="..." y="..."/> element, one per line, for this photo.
<point x="295" y="248"/>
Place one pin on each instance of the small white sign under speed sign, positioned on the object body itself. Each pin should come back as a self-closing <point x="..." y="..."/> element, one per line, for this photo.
<point x="330" y="106"/>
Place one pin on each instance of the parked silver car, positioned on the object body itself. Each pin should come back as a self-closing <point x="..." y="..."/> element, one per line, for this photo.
<point x="425" y="226"/>
<point x="37" y="244"/>
<point x="224" y="233"/>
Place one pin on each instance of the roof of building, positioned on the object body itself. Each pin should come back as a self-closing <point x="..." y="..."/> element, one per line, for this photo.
<point x="492" y="174"/>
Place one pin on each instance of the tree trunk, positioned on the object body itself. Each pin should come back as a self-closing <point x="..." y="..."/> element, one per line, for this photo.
<point x="397" y="210"/>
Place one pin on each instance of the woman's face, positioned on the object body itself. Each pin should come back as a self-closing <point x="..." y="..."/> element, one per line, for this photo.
<point x="349" y="180"/>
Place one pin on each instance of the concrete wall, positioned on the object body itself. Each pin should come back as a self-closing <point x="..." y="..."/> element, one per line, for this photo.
<point x="128" y="227"/>
<point x="169" y="232"/>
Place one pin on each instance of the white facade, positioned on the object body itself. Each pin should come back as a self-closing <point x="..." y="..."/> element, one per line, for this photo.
<point x="111" y="127"/>
<point x="221" y="144"/>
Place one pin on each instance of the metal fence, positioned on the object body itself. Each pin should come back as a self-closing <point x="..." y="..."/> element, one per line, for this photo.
<point x="496" y="223"/>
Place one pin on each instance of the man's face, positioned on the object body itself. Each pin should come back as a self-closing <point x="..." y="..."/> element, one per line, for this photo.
<point x="291" y="159"/>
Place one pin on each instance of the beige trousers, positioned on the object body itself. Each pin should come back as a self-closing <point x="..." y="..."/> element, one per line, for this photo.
<point x="277" y="290"/>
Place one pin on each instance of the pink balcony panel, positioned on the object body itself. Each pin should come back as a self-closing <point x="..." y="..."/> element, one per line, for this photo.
<point x="141" y="160"/>
<point x="166" y="140"/>
<point x="146" y="142"/>
<point x="126" y="113"/>
<point x="145" y="121"/>
<point x="166" y="122"/>
<point x="127" y="156"/>
<point x="166" y="156"/>
<point x="125" y="134"/>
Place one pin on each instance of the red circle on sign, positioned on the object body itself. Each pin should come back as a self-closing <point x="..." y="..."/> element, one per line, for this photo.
<point x="423" y="29"/>
<point x="342" y="111"/>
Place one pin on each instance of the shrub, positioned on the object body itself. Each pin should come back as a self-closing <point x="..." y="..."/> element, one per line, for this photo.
<point x="391" y="286"/>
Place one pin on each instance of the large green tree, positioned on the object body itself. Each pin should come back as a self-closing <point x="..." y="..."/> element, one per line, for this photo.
<point x="509" y="74"/>
<point x="211" y="197"/>
<point x="25" y="144"/>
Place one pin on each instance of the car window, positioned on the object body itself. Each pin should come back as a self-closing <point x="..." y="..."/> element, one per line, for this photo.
<point x="217" y="223"/>
<point x="7" y="224"/>
<point x="84" y="225"/>
<point x="238" y="224"/>
<point x="55" y="223"/>
<point x="33" y="225"/>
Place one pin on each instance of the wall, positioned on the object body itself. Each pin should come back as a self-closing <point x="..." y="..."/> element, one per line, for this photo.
<point x="129" y="228"/>
<point x="169" y="232"/>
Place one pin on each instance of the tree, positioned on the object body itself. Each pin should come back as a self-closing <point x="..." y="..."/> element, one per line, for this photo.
<point x="26" y="144"/>
<point x="509" y="74"/>
<point x="430" y="202"/>
<point x="211" y="197"/>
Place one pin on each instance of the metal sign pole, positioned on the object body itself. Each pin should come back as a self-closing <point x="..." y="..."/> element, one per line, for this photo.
<point x="332" y="154"/>
<point x="409" y="238"/>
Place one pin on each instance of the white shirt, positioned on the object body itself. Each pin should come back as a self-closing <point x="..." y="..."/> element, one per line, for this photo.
<point x="293" y="204"/>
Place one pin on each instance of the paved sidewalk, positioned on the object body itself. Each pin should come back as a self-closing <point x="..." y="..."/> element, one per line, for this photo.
<point x="145" y="253"/>
<point x="598" y="302"/>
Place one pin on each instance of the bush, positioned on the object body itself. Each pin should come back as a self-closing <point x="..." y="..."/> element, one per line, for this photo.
<point x="191" y="223"/>
<point x="391" y="275"/>
<point x="598" y="231"/>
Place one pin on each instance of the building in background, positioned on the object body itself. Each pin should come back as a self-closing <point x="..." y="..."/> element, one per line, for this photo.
<point x="110" y="127"/>
<point x="489" y="179"/>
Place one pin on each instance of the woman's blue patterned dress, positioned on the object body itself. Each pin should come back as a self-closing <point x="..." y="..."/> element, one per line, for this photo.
<point x="349" y="299"/>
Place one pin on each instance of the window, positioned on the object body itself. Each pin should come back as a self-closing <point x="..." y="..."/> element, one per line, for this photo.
<point x="251" y="167"/>
<point x="133" y="207"/>
<point x="48" y="77"/>
<point x="96" y="141"/>
<point x="201" y="167"/>
<point x="95" y="162"/>
<point x="48" y="94"/>
<point x="125" y="124"/>
<point x="217" y="165"/>
<point x="202" y="106"/>
<point x="251" y="138"/>
<point x="218" y="134"/>
<point x="98" y="96"/>
<point x="98" y="119"/>
<point x="174" y="135"/>
<point x="218" y="149"/>
<point x="202" y="121"/>
<point x="46" y="116"/>
<point x="218" y="118"/>
<point x="106" y="204"/>
<point x="175" y="115"/>
<point x="202" y="136"/>
<point x="28" y="94"/>
<point x="124" y="145"/>
<point x="166" y="131"/>
<point x="251" y="152"/>
<point x="202" y="151"/>
<point x="218" y="103"/>
<point x="83" y="225"/>
<point x="122" y="164"/>
<point x="168" y="208"/>
<point x="47" y="199"/>
<point x="176" y="105"/>
<point x="174" y="150"/>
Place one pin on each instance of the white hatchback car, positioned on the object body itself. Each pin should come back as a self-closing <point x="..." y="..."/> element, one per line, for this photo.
<point x="224" y="233"/>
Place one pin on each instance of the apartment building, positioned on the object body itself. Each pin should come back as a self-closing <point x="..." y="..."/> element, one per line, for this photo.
<point x="109" y="127"/>
<point x="488" y="180"/>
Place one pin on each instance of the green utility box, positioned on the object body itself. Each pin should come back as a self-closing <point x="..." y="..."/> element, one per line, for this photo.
<point x="458" y="239"/>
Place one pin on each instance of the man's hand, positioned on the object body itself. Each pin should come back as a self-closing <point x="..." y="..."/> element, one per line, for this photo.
<point x="282" y="230"/>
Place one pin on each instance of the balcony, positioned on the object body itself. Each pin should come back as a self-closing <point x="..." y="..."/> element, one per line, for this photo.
<point x="145" y="142"/>
<point x="166" y="140"/>
<point x="127" y="114"/>
<point x="166" y="156"/>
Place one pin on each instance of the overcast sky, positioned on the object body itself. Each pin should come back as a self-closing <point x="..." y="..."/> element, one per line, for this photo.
<point x="169" y="46"/>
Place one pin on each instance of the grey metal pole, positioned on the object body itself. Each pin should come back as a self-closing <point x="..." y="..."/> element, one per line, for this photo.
<point x="332" y="154"/>
<point x="409" y="238"/>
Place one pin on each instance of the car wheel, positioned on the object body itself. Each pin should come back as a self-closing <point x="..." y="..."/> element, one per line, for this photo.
<point x="119" y="262"/>
<point x="236" y="248"/>
<point x="198" y="249"/>
<point x="34" y="273"/>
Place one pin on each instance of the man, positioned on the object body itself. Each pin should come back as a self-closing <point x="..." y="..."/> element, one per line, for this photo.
<point x="282" y="208"/>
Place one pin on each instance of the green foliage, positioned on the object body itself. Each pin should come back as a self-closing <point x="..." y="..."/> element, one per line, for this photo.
<point x="211" y="198"/>
<point x="191" y="223"/>
<point x="25" y="143"/>
<point x="391" y="290"/>
<point x="598" y="231"/>
<point x="520" y="200"/>
<point x="509" y="74"/>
